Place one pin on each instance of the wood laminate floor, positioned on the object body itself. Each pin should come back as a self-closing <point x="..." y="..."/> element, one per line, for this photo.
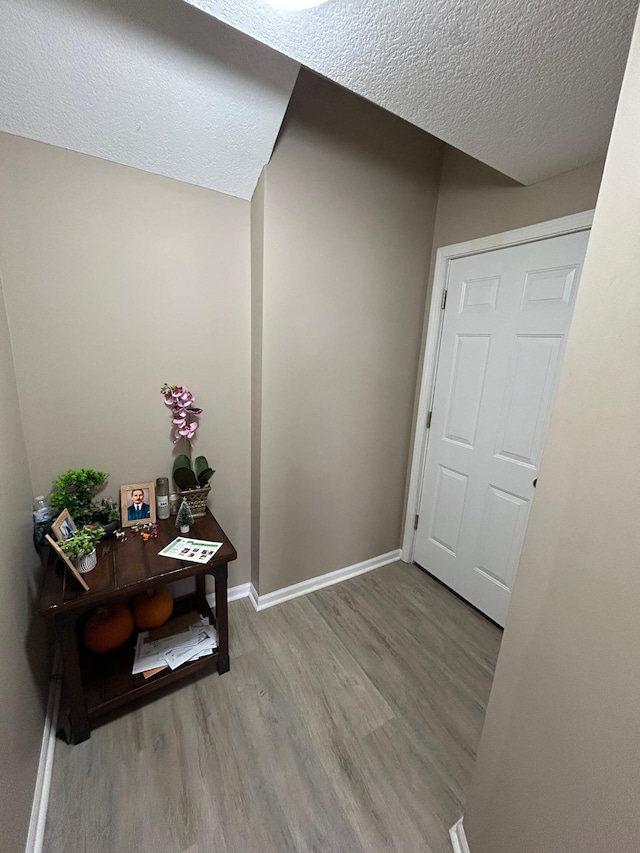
<point x="349" y="722"/>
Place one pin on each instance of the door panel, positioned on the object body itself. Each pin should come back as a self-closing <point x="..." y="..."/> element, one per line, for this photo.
<point x="503" y="338"/>
<point x="448" y="508"/>
<point x="481" y="293"/>
<point x="533" y="375"/>
<point x="467" y="381"/>
<point x="503" y="524"/>
<point x="547" y="286"/>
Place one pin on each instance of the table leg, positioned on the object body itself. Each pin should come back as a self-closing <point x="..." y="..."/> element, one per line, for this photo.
<point x="222" y="622"/>
<point x="66" y="631"/>
<point x="201" y="594"/>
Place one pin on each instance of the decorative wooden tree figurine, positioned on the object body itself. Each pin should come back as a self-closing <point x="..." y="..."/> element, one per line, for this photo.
<point x="184" y="519"/>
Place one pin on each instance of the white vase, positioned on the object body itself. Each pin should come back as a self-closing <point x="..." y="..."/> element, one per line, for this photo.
<point x="87" y="562"/>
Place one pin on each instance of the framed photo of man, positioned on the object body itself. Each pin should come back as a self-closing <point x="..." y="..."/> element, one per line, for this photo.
<point x="138" y="504"/>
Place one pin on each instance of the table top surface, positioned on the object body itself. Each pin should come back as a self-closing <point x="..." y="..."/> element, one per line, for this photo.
<point x="130" y="566"/>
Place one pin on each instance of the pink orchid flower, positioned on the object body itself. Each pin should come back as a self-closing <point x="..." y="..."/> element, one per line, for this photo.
<point x="188" y="431"/>
<point x="181" y="402"/>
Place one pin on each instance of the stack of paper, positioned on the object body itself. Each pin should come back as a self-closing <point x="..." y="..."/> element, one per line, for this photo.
<point x="191" y="550"/>
<point x="187" y="644"/>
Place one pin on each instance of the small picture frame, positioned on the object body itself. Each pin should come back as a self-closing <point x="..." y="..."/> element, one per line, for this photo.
<point x="64" y="526"/>
<point x="138" y="504"/>
<point x="67" y="562"/>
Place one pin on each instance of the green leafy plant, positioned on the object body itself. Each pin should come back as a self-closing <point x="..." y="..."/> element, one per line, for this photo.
<point x="83" y="542"/>
<point x="75" y="491"/>
<point x="187" y="477"/>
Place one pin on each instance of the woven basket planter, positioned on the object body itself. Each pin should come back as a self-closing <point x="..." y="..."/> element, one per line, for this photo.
<point x="197" y="500"/>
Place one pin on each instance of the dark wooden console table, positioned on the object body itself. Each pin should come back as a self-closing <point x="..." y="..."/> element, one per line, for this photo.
<point x="97" y="684"/>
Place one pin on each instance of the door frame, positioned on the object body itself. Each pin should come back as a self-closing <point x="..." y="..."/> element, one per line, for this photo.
<point x="434" y="320"/>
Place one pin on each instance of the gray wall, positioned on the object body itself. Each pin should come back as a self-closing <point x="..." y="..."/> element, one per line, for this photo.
<point x="557" y="768"/>
<point x="475" y="200"/>
<point x="349" y="206"/>
<point x="116" y="281"/>
<point x="257" y="283"/>
<point x="25" y="659"/>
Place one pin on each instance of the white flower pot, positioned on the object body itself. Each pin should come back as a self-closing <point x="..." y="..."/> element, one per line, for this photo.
<point x="86" y="563"/>
<point x="184" y="528"/>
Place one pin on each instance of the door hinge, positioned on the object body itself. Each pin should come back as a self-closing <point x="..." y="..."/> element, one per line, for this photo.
<point x="429" y="419"/>
<point x="444" y="299"/>
<point x="415" y="525"/>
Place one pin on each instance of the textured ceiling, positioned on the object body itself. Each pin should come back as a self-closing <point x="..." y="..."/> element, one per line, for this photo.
<point x="153" y="84"/>
<point x="527" y="86"/>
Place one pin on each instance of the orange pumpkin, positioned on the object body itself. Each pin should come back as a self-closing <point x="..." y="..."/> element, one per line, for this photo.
<point x="108" y="627"/>
<point x="152" y="608"/>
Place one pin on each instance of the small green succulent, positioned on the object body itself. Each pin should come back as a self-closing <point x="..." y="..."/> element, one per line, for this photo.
<point x="83" y="542"/>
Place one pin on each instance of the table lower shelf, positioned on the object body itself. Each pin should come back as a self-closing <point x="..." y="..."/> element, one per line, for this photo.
<point x="107" y="679"/>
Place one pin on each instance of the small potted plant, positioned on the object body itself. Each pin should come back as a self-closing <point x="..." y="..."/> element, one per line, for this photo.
<point x="81" y="548"/>
<point x="75" y="492"/>
<point x="191" y="477"/>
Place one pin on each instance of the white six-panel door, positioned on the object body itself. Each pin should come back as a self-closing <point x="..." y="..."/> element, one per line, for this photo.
<point x="506" y="320"/>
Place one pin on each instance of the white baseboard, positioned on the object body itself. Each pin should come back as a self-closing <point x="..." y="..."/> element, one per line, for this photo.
<point x="233" y="593"/>
<point x="240" y="591"/>
<point x="458" y="838"/>
<point x="261" y="602"/>
<point x="40" y="803"/>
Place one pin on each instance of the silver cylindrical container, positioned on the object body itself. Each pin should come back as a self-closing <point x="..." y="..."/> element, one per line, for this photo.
<point x="162" y="497"/>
